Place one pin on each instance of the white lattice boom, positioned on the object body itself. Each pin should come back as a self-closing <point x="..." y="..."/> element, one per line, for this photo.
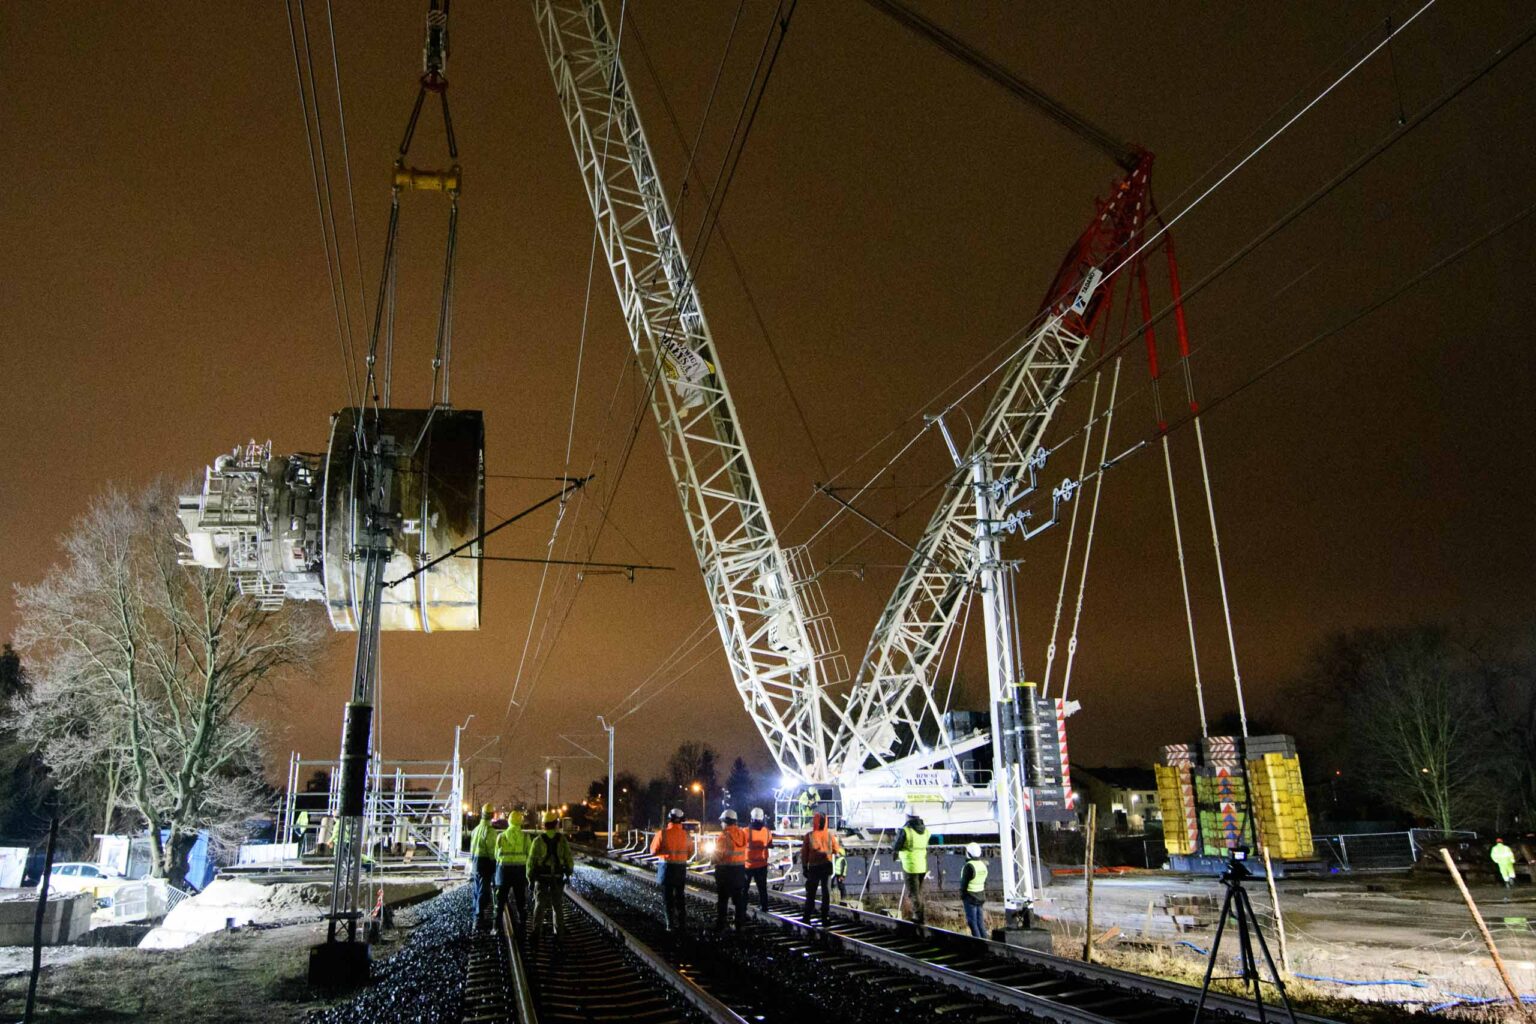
<point x="758" y="603"/>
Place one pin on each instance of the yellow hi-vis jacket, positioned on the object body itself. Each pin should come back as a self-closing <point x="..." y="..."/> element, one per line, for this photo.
<point x="482" y="841"/>
<point x="914" y="850"/>
<point x="512" y="845"/>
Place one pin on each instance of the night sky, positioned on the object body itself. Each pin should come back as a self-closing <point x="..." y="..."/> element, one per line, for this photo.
<point x="163" y="297"/>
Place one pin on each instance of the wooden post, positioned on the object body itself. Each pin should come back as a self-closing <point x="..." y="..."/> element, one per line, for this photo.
<point x="1477" y="917"/>
<point x="1146" y="931"/>
<point x="1274" y="901"/>
<point x="1088" y="883"/>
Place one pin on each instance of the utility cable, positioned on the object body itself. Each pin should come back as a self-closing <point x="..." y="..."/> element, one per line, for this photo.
<point x="1066" y="560"/>
<point x="325" y="174"/>
<point x="1093" y="520"/>
<point x="346" y="162"/>
<point x="730" y="252"/>
<point x="739" y="137"/>
<point x="347" y="354"/>
<point x="1407" y="284"/>
<point x="1367" y="157"/>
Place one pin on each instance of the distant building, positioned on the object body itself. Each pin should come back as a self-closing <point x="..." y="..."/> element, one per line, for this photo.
<point x="1126" y="797"/>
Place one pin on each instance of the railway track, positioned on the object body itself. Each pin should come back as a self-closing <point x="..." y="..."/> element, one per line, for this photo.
<point x="596" y="972"/>
<point x="618" y="963"/>
<point x="1040" y="985"/>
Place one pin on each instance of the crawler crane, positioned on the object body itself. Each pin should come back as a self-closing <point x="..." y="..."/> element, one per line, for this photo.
<point x="882" y="744"/>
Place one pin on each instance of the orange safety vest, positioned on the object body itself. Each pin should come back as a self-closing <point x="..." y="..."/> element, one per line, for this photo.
<point x="731" y="847"/>
<point x="759" y="841"/>
<point x="672" y="844"/>
<point x="818" y="846"/>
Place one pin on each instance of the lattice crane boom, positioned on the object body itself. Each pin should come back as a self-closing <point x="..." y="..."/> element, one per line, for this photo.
<point x="766" y="616"/>
<point x="892" y="699"/>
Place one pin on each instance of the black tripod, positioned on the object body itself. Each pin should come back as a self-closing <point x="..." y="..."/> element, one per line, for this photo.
<point x="1238" y="907"/>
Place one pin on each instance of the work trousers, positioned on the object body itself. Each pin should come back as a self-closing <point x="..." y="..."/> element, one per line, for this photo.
<point x="759" y="878"/>
<point x="673" y="880"/>
<point x="915" y="894"/>
<point x="512" y="880"/>
<point x="818" y="877"/>
<point x="548" y="895"/>
<point x="973" y="917"/>
<point x="730" y="887"/>
<point x="484" y="880"/>
<point x="841" y="881"/>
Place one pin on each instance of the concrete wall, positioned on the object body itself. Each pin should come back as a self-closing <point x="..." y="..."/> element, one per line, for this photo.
<point x="67" y="918"/>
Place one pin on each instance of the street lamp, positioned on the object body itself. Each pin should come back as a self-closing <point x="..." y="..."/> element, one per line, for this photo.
<point x="698" y="787"/>
<point x="547" y="772"/>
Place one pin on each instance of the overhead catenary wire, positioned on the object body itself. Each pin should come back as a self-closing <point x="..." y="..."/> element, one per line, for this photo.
<point x="1387" y="298"/>
<point x="1006" y="345"/>
<point x="748" y="292"/>
<point x="1208" y="192"/>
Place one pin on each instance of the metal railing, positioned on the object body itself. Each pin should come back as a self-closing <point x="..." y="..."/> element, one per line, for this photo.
<point x="1379" y="851"/>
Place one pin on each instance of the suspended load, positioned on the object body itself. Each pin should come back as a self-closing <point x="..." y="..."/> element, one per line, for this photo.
<point x="1203" y="793"/>
<point x="286" y="526"/>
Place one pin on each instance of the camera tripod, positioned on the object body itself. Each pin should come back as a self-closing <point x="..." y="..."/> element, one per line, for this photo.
<point x="1238" y="907"/>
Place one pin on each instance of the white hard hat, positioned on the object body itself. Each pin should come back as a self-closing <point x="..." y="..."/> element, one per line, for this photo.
<point x="676" y="814"/>
<point x="727" y="815"/>
<point x="758" y="814"/>
<point x="973" y="850"/>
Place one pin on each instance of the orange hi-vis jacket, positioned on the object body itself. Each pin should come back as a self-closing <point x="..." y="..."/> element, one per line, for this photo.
<point x="672" y="844"/>
<point x="731" y="847"/>
<point x="759" y="842"/>
<point x="818" y="846"/>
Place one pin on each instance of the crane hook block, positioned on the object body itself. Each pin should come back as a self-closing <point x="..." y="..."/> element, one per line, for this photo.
<point x="418" y="180"/>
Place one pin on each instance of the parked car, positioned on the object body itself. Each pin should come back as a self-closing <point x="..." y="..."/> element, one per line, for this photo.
<point x="80" y="876"/>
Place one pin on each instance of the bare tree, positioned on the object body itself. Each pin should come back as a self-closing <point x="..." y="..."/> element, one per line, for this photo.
<point x="1418" y="720"/>
<point x="142" y="666"/>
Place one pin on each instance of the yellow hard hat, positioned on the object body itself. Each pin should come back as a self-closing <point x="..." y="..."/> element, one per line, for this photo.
<point x="516" y="817"/>
<point x="486" y="810"/>
<point x="551" y="818"/>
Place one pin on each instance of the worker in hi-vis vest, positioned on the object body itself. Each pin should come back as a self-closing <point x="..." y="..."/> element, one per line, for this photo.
<point x="550" y="866"/>
<point x="973" y="890"/>
<point x="817" y="848"/>
<point x="512" y="845"/>
<point x="759" y="845"/>
<point x="1504" y="859"/>
<point x="482" y="862"/>
<point x="730" y="859"/>
<point x="912" y="853"/>
<point x="672" y="846"/>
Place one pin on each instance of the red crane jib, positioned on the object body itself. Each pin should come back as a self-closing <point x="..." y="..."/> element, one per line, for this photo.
<point x="1116" y="231"/>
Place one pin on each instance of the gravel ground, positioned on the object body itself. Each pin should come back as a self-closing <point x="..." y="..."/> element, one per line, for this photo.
<point x="422" y="982"/>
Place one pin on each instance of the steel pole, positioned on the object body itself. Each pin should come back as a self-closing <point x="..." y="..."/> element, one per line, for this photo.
<point x="609" y="729"/>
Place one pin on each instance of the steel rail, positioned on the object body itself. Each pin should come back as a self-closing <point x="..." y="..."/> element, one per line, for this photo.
<point x="1125" y="984"/>
<point x="686" y="987"/>
<point x="522" y="985"/>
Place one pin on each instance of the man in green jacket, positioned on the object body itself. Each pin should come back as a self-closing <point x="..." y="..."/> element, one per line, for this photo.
<point x="512" y="845"/>
<point x="1504" y="859"/>
<point x="550" y="865"/>
<point x="912" y="851"/>
<point x="482" y="864"/>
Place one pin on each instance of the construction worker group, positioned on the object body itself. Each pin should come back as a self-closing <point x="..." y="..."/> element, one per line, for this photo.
<point x="740" y="859"/>
<point x="505" y="860"/>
